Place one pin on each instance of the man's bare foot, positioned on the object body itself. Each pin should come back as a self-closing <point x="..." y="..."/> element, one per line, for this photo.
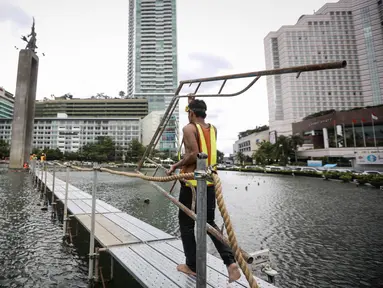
<point x="185" y="269"/>
<point x="234" y="273"/>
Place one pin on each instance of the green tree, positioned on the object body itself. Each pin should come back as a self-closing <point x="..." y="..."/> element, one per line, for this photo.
<point x="101" y="151"/>
<point x="52" y="154"/>
<point x="283" y="149"/>
<point x="135" y="151"/>
<point x="4" y="149"/>
<point x="220" y="156"/>
<point x="106" y="147"/>
<point x="71" y="156"/>
<point x="264" y="154"/>
<point x="248" y="160"/>
<point x="240" y="157"/>
<point x="295" y="141"/>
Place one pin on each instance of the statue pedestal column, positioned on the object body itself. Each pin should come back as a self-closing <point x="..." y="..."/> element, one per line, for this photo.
<point x="24" y="109"/>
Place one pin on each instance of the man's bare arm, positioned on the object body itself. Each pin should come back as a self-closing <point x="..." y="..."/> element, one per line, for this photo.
<point x="191" y="145"/>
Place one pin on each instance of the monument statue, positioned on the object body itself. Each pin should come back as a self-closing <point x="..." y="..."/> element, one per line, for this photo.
<point x="24" y="105"/>
<point x="31" y="43"/>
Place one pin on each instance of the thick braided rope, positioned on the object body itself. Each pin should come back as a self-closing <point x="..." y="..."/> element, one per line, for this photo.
<point x="150" y="178"/>
<point x="81" y="169"/>
<point x="137" y="175"/>
<point x="230" y="232"/>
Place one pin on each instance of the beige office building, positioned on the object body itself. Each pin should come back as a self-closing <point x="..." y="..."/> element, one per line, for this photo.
<point x="348" y="30"/>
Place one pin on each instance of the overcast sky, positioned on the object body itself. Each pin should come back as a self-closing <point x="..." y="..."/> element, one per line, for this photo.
<point x="86" y="45"/>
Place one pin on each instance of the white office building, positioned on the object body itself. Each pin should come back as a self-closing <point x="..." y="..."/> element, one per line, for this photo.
<point x="149" y="126"/>
<point x="348" y="30"/>
<point x="69" y="134"/>
<point x="168" y="138"/>
<point x="249" y="144"/>
<point x="153" y="72"/>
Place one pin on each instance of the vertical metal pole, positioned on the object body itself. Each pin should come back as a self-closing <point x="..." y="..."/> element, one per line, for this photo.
<point x="201" y="219"/>
<point x="373" y="131"/>
<point x="53" y="204"/>
<point x="344" y="135"/>
<point x="364" y="136"/>
<point x="93" y="220"/>
<point x="45" y="185"/>
<point x="42" y="176"/>
<point x="66" y="202"/>
<point x="34" y="171"/>
<point x="111" y="267"/>
<point x="53" y="182"/>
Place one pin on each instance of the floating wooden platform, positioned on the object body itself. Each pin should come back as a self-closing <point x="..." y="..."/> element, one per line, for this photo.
<point x="149" y="254"/>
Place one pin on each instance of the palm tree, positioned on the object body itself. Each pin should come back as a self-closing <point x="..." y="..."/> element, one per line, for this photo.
<point x="121" y="94"/>
<point x="220" y="156"/>
<point x="282" y="148"/>
<point x="296" y="140"/>
<point x="264" y="155"/>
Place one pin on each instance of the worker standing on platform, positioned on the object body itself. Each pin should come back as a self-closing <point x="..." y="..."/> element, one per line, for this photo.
<point x="199" y="136"/>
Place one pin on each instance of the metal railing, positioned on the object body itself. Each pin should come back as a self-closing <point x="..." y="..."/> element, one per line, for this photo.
<point x="43" y="167"/>
<point x="201" y="163"/>
<point x="200" y="173"/>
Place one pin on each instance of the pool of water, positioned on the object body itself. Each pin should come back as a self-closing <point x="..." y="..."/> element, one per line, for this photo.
<point x="32" y="253"/>
<point x="320" y="233"/>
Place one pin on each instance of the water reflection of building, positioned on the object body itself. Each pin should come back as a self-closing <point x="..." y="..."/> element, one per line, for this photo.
<point x="355" y="134"/>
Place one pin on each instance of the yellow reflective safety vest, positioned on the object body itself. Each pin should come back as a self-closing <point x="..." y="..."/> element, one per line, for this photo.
<point x="212" y="154"/>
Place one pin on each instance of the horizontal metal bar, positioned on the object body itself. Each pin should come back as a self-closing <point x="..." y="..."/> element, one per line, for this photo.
<point x="226" y="95"/>
<point x="305" y="68"/>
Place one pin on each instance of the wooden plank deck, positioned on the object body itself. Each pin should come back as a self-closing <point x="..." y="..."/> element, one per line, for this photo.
<point x="149" y="254"/>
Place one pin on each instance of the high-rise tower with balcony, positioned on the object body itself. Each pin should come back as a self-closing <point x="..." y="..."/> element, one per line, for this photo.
<point x="155" y="58"/>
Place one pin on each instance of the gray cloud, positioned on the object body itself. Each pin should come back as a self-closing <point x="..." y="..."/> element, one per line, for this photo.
<point x="208" y="65"/>
<point x="14" y="14"/>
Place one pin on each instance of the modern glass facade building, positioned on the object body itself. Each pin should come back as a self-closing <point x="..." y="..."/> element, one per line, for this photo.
<point x="348" y="30"/>
<point x="6" y="104"/>
<point x="155" y="54"/>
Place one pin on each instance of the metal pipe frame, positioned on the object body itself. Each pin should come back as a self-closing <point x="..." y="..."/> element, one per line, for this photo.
<point x="256" y="75"/>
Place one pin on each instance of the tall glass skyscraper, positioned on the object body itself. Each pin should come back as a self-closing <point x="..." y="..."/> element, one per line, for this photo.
<point x="152" y="62"/>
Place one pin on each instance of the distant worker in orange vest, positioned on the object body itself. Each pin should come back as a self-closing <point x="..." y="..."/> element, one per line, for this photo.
<point x="199" y="136"/>
<point x="43" y="157"/>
